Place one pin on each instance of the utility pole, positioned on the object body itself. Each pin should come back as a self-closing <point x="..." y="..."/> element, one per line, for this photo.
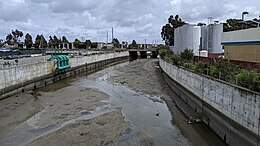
<point x="112" y="34"/>
<point x="144" y="43"/>
<point x="259" y="22"/>
<point x="107" y="37"/>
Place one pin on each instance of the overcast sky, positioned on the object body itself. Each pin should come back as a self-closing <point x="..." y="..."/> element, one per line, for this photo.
<point x="131" y="19"/>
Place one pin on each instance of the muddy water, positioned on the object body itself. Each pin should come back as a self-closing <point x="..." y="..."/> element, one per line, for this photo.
<point x="147" y="114"/>
<point x="115" y="114"/>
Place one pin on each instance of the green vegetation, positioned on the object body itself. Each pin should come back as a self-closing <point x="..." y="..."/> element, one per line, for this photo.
<point x="13" y="37"/>
<point x="249" y="79"/>
<point x="238" y="24"/>
<point x="116" y="43"/>
<point x="133" y="45"/>
<point x="221" y="69"/>
<point x="167" y="33"/>
<point x="28" y="41"/>
<point x="187" y="54"/>
<point x="78" y="44"/>
<point x="40" y="42"/>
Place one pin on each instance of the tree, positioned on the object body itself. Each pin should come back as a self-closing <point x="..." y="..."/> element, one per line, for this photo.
<point x="44" y="43"/>
<point x="9" y="39"/>
<point x="56" y="42"/>
<point x="65" y="41"/>
<point x="167" y="32"/>
<point x="133" y="45"/>
<point x="94" y="45"/>
<point x="238" y="24"/>
<point x="13" y="37"/>
<point x="28" y="41"/>
<point x="50" y="43"/>
<point x="87" y="44"/>
<point x="116" y="43"/>
<point x="16" y="35"/>
<point x="77" y="44"/>
<point x="37" y="41"/>
<point x="40" y="42"/>
<point x="1" y="42"/>
<point x="124" y="44"/>
<point x="201" y="24"/>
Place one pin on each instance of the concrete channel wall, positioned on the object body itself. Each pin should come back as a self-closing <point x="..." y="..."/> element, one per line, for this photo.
<point x="95" y="58"/>
<point x="231" y="111"/>
<point x="30" y="76"/>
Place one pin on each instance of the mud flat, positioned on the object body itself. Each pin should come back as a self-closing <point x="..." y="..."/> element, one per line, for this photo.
<point x="63" y="113"/>
<point x="126" y="104"/>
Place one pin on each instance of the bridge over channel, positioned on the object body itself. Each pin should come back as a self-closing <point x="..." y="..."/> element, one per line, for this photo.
<point x="143" y="53"/>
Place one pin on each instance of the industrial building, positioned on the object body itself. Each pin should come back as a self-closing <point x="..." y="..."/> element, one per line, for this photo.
<point x="206" y="38"/>
<point x="242" y="45"/>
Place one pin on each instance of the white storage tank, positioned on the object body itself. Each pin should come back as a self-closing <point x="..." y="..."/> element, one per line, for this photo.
<point x="196" y="39"/>
<point x="183" y="38"/>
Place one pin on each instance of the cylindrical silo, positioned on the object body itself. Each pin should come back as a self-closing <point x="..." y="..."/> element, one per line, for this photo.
<point x="196" y="39"/>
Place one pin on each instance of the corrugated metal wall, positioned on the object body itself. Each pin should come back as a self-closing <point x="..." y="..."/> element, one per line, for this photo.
<point x="245" y="35"/>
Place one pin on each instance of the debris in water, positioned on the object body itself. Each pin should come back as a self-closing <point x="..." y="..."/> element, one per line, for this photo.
<point x="194" y="120"/>
<point x="31" y="92"/>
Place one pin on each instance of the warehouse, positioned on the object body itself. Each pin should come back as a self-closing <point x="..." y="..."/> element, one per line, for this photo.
<point x="242" y="45"/>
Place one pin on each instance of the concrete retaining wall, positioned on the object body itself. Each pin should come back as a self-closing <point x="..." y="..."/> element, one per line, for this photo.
<point x="18" y="75"/>
<point x="236" y="108"/>
<point x="77" y="61"/>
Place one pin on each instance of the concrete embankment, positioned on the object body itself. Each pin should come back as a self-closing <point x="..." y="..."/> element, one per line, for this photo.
<point x="231" y="111"/>
<point x="21" y="78"/>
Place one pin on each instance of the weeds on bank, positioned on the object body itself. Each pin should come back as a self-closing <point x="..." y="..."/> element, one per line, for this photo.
<point x="222" y="69"/>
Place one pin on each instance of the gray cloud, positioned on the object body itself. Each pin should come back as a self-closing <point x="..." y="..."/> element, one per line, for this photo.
<point x="14" y="11"/>
<point x="131" y="19"/>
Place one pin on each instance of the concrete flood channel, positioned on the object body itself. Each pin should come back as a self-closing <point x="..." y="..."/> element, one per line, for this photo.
<point x="124" y="104"/>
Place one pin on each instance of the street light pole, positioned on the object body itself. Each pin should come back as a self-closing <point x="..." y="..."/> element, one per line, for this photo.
<point x="259" y="22"/>
<point x="243" y="15"/>
<point x="144" y="43"/>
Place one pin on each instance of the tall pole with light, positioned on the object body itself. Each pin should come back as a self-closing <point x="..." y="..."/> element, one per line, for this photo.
<point x="243" y="15"/>
<point x="259" y="21"/>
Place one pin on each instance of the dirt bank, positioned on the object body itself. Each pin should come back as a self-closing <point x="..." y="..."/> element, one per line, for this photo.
<point x="101" y="130"/>
<point x="17" y="109"/>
